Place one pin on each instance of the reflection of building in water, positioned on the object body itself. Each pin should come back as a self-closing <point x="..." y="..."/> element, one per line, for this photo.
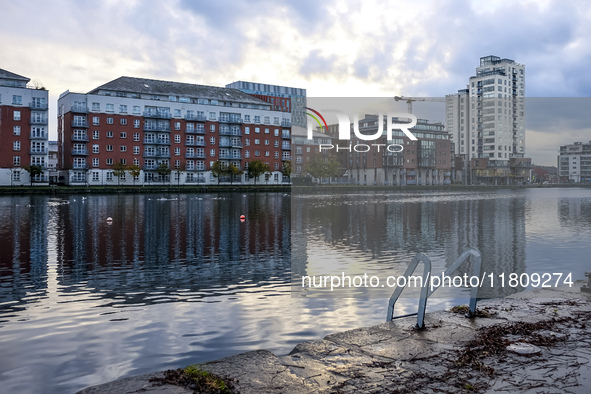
<point x="574" y="212"/>
<point x="23" y="246"/>
<point x="183" y="241"/>
<point x="385" y="231"/>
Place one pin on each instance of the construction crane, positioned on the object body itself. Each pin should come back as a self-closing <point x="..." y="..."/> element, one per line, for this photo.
<point x="409" y="100"/>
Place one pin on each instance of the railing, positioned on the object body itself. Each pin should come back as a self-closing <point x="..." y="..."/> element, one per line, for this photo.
<point x="156" y="142"/>
<point x="38" y="136"/>
<point x="195" y="143"/>
<point x="38" y="121"/>
<point x="156" y="128"/>
<point x="38" y="106"/>
<point x="427" y="288"/>
<point x="157" y="154"/>
<point x="231" y="132"/>
<point x="195" y="130"/>
<point x="78" y="109"/>
<point x="157" y="115"/>
<point x="80" y="152"/>
<point x="38" y="151"/>
<point x="83" y="123"/>
<point x="76" y="166"/>
<point x="229" y="156"/>
<point x="194" y="155"/>
<point x="285" y="123"/>
<point x="81" y="138"/>
<point x="197" y="118"/>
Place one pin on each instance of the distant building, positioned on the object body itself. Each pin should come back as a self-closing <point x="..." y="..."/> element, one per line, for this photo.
<point x="156" y="124"/>
<point x="487" y="121"/>
<point x="281" y="98"/>
<point x="52" y="161"/>
<point x="427" y="161"/>
<point x="305" y="150"/>
<point x="574" y="163"/>
<point x="540" y="174"/>
<point x="23" y="129"/>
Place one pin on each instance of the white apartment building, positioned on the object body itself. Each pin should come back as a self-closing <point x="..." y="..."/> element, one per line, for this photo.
<point x="487" y="119"/>
<point x="574" y="163"/>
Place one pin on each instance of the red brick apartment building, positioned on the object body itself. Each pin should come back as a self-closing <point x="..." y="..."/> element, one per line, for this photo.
<point x="23" y="130"/>
<point x="188" y="127"/>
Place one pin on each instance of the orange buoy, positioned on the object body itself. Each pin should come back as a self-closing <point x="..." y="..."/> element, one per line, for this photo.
<point x="242" y="218"/>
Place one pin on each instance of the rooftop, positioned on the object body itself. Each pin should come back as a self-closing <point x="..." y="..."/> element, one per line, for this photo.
<point x="4" y="74"/>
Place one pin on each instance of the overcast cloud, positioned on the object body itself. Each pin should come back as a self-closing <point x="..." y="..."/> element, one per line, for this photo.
<point x="331" y="48"/>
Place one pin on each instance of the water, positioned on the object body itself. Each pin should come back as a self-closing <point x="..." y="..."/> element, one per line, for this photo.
<point x="177" y="279"/>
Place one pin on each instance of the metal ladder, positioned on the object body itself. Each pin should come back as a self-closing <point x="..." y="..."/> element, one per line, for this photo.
<point x="426" y="293"/>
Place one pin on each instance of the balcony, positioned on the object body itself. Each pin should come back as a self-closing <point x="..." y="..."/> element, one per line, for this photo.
<point x="79" y="109"/>
<point x="79" y="152"/>
<point x="231" y="119"/>
<point x="38" y="151"/>
<point x="236" y="133"/>
<point x="156" y="141"/>
<point x="150" y="167"/>
<point x="157" y="115"/>
<point x="38" y="121"/>
<point x="80" y="123"/>
<point x="80" y="166"/>
<point x="286" y="123"/>
<point x="286" y="147"/>
<point x="194" y="143"/>
<point x="157" y="128"/>
<point x="80" y="137"/>
<point x="236" y="144"/>
<point x="195" y="118"/>
<point x="195" y="130"/>
<point x="157" y="154"/>
<point x="285" y="136"/>
<point x="37" y="136"/>
<point x="34" y="106"/>
<point x="230" y="156"/>
<point x="194" y="155"/>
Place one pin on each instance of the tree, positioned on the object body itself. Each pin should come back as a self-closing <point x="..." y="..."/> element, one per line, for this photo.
<point x="119" y="171"/>
<point x="218" y="170"/>
<point x="33" y="171"/>
<point x="256" y="168"/>
<point x="163" y="170"/>
<point x="286" y="169"/>
<point x="232" y="170"/>
<point x="323" y="167"/>
<point x="179" y="170"/>
<point x="134" y="171"/>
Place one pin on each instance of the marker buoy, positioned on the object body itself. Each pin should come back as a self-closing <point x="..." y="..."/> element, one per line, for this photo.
<point x="242" y="218"/>
<point x="109" y="220"/>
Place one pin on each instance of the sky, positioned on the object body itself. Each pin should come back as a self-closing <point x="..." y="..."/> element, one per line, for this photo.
<point x="331" y="48"/>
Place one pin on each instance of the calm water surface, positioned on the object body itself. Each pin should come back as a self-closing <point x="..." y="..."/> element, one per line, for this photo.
<point x="177" y="279"/>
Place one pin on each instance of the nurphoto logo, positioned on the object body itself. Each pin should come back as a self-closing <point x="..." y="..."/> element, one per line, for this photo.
<point x="344" y="130"/>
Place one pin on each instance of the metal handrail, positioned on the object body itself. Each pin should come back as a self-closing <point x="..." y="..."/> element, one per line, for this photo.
<point x="426" y="293"/>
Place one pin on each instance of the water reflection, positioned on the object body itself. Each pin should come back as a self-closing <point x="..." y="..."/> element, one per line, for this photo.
<point x="177" y="279"/>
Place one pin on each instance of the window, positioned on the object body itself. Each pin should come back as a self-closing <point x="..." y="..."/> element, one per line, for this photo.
<point x="276" y="143"/>
<point x="95" y="162"/>
<point x="257" y="153"/>
<point x="95" y="121"/>
<point x="257" y="141"/>
<point x="277" y="155"/>
<point x="95" y="134"/>
<point x="247" y="130"/>
<point x="109" y="173"/>
<point x="16" y="130"/>
<point x="177" y="125"/>
<point x="109" y="162"/>
<point x="276" y="132"/>
<point x="123" y="121"/>
<point x="16" y="176"/>
<point x="212" y="128"/>
<point x="247" y="142"/>
<point x="96" y="106"/>
<point x="95" y="148"/>
<point x="136" y="137"/>
<point x="109" y="134"/>
<point x="16" y="161"/>
<point x="247" y="119"/>
<point x="123" y="161"/>
<point x="109" y="120"/>
<point x="212" y="115"/>
<point x="136" y="109"/>
<point x="266" y="131"/>
<point x="276" y="165"/>
<point x="136" y="123"/>
<point x="212" y="153"/>
<point x="212" y="140"/>
<point x="110" y="108"/>
<point x="177" y="151"/>
<point x="266" y="153"/>
<point x="266" y="120"/>
<point x="246" y="154"/>
<point x="177" y="114"/>
<point x="123" y="134"/>
<point x="16" y="145"/>
<point x="136" y="162"/>
<point x="257" y="129"/>
<point x="17" y="99"/>
<point x="266" y="142"/>
<point x="177" y="138"/>
<point x="257" y="119"/>
<point x="16" y="115"/>
<point x="109" y="148"/>
<point x="123" y="109"/>
<point x="123" y="148"/>
<point x="136" y="150"/>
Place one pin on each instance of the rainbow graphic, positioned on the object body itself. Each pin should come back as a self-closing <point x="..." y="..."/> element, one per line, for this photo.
<point x="316" y="119"/>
